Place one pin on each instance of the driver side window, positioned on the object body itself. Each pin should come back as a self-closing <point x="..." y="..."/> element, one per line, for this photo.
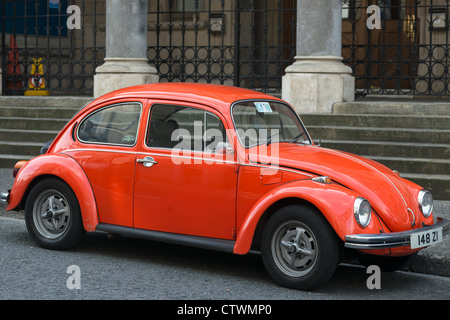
<point x="116" y="125"/>
<point x="185" y="128"/>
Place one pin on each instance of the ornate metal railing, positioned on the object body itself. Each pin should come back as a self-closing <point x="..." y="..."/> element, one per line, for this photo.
<point x="38" y="47"/>
<point x="408" y="54"/>
<point x="244" y="43"/>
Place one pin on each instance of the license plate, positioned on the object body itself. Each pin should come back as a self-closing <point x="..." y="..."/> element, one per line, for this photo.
<point x="425" y="238"/>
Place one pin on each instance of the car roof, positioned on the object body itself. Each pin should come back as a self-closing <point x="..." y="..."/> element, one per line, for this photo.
<point x="220" y="96"/>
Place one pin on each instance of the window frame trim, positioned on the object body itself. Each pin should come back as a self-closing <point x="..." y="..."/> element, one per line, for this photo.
<point x="107" y="107"/>
<point x="147" y="130"/>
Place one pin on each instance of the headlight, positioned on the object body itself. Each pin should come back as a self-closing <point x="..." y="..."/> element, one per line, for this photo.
<point x="362" y="211"/>
<point x="425" y="200"/>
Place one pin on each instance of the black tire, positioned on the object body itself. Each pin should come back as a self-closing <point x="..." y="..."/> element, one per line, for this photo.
<point x="299" y="248"/>
<point x="53" y="215"/>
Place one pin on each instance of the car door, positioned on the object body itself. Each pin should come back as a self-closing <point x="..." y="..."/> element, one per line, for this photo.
<point x="106" y="150"/>
<point x="186" y="174"/>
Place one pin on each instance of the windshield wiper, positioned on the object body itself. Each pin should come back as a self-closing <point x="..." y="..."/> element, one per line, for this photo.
<point x="297" y="137"/>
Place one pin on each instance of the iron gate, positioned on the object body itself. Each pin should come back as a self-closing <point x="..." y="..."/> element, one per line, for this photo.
<point x="227" y="42"/>
<point x="37" y="46"/>
<point x="245" y="43"/>
<point x="408" y="54"/>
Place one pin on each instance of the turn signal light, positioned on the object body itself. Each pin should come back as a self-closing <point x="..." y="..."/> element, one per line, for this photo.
<point x="323" y="179"/>
<point x="17" y="167"/>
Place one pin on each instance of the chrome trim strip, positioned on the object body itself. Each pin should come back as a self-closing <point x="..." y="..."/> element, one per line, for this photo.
<point x="150" y="154"/>
<point x="185" y="157"/>
<point x="99" y="150"/>
<point x="104" y="108"/>
<point x="391" y="240"/>
<point x="278" y="168"/>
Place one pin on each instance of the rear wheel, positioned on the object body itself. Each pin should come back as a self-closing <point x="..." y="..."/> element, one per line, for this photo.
<point x="299" y="248"/>
<point x="53" y="216"/>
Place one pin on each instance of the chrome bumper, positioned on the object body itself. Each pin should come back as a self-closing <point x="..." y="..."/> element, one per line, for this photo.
<point x="4" y="197"/>
<point x="391" y="240"/>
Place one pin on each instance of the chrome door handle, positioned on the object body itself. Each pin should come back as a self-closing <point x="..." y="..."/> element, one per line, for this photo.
<point x="147" y="161"/>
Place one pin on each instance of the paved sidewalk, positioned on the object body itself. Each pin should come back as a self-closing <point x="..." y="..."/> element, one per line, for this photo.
<point x="434" y="260"/>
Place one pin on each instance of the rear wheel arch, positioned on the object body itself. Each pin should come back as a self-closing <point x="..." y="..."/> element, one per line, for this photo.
<point x="61" y="167"/>
<point x="31" y="185"/>
<point x="52" y="214"/>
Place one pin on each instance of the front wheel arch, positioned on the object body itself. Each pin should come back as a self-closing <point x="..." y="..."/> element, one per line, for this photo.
<point x="256" y="242"/>
<point x="299" y="248"/>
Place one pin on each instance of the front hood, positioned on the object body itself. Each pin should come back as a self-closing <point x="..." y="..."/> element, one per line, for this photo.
<point x="385" y="190"/>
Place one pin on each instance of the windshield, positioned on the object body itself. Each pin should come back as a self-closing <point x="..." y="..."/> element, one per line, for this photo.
<point x="259" y="122"/>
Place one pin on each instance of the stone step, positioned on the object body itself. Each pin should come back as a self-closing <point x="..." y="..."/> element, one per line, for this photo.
<point x="16" y="135"/>
<point x="26" y="123"/>
<point x="32" y="123"/>
<point x="380" y="134"/>
<point x="9" y="160"/>
<point x="33" y="112"/>
<point x="438" y="184"/>
<point x="422" y="165"/>
<point x="399" y="107"/>
<point x="434" y="122"/>
<point x="20" y="148"/>
<point x="73" y="102"/>
<point x="390" y="149"/>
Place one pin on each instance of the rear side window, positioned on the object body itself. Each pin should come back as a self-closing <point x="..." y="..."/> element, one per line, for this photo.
<point x="116" y="125"/>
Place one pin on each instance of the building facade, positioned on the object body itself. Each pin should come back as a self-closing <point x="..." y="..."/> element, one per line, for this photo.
<point x="393" y="47"/>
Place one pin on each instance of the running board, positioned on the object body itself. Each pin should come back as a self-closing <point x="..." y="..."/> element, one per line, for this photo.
<point x="174" y="238"/>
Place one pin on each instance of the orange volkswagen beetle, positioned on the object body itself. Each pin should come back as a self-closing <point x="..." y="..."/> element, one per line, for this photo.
<point x="219" y="168"/>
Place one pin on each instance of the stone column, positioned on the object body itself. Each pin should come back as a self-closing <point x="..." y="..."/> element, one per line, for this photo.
<point x="126" y="62"/>
<point x="318" y="78"/>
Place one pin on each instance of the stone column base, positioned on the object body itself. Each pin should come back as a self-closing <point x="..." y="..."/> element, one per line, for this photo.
<point x="117" y="73"/>
<point x="312" y="84"/>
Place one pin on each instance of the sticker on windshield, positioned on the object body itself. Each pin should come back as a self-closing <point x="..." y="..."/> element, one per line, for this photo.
<point x="263" y="107"/>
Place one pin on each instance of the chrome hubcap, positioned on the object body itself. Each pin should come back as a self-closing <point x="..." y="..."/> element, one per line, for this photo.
<point x="51" y="214"/>
<point x="294" y="248"/>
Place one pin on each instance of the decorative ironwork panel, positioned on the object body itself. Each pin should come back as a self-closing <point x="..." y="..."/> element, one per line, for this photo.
<point x="41" y="50"/>
<point x="244" y="43"/>
<point x="406" y="54"/>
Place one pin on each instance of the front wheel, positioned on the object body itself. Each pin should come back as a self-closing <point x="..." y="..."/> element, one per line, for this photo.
<point x="53" y="215"/>
<point x="299" y="248"/>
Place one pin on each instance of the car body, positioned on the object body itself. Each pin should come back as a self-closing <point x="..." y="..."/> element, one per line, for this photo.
<point x="220" y="168"/>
